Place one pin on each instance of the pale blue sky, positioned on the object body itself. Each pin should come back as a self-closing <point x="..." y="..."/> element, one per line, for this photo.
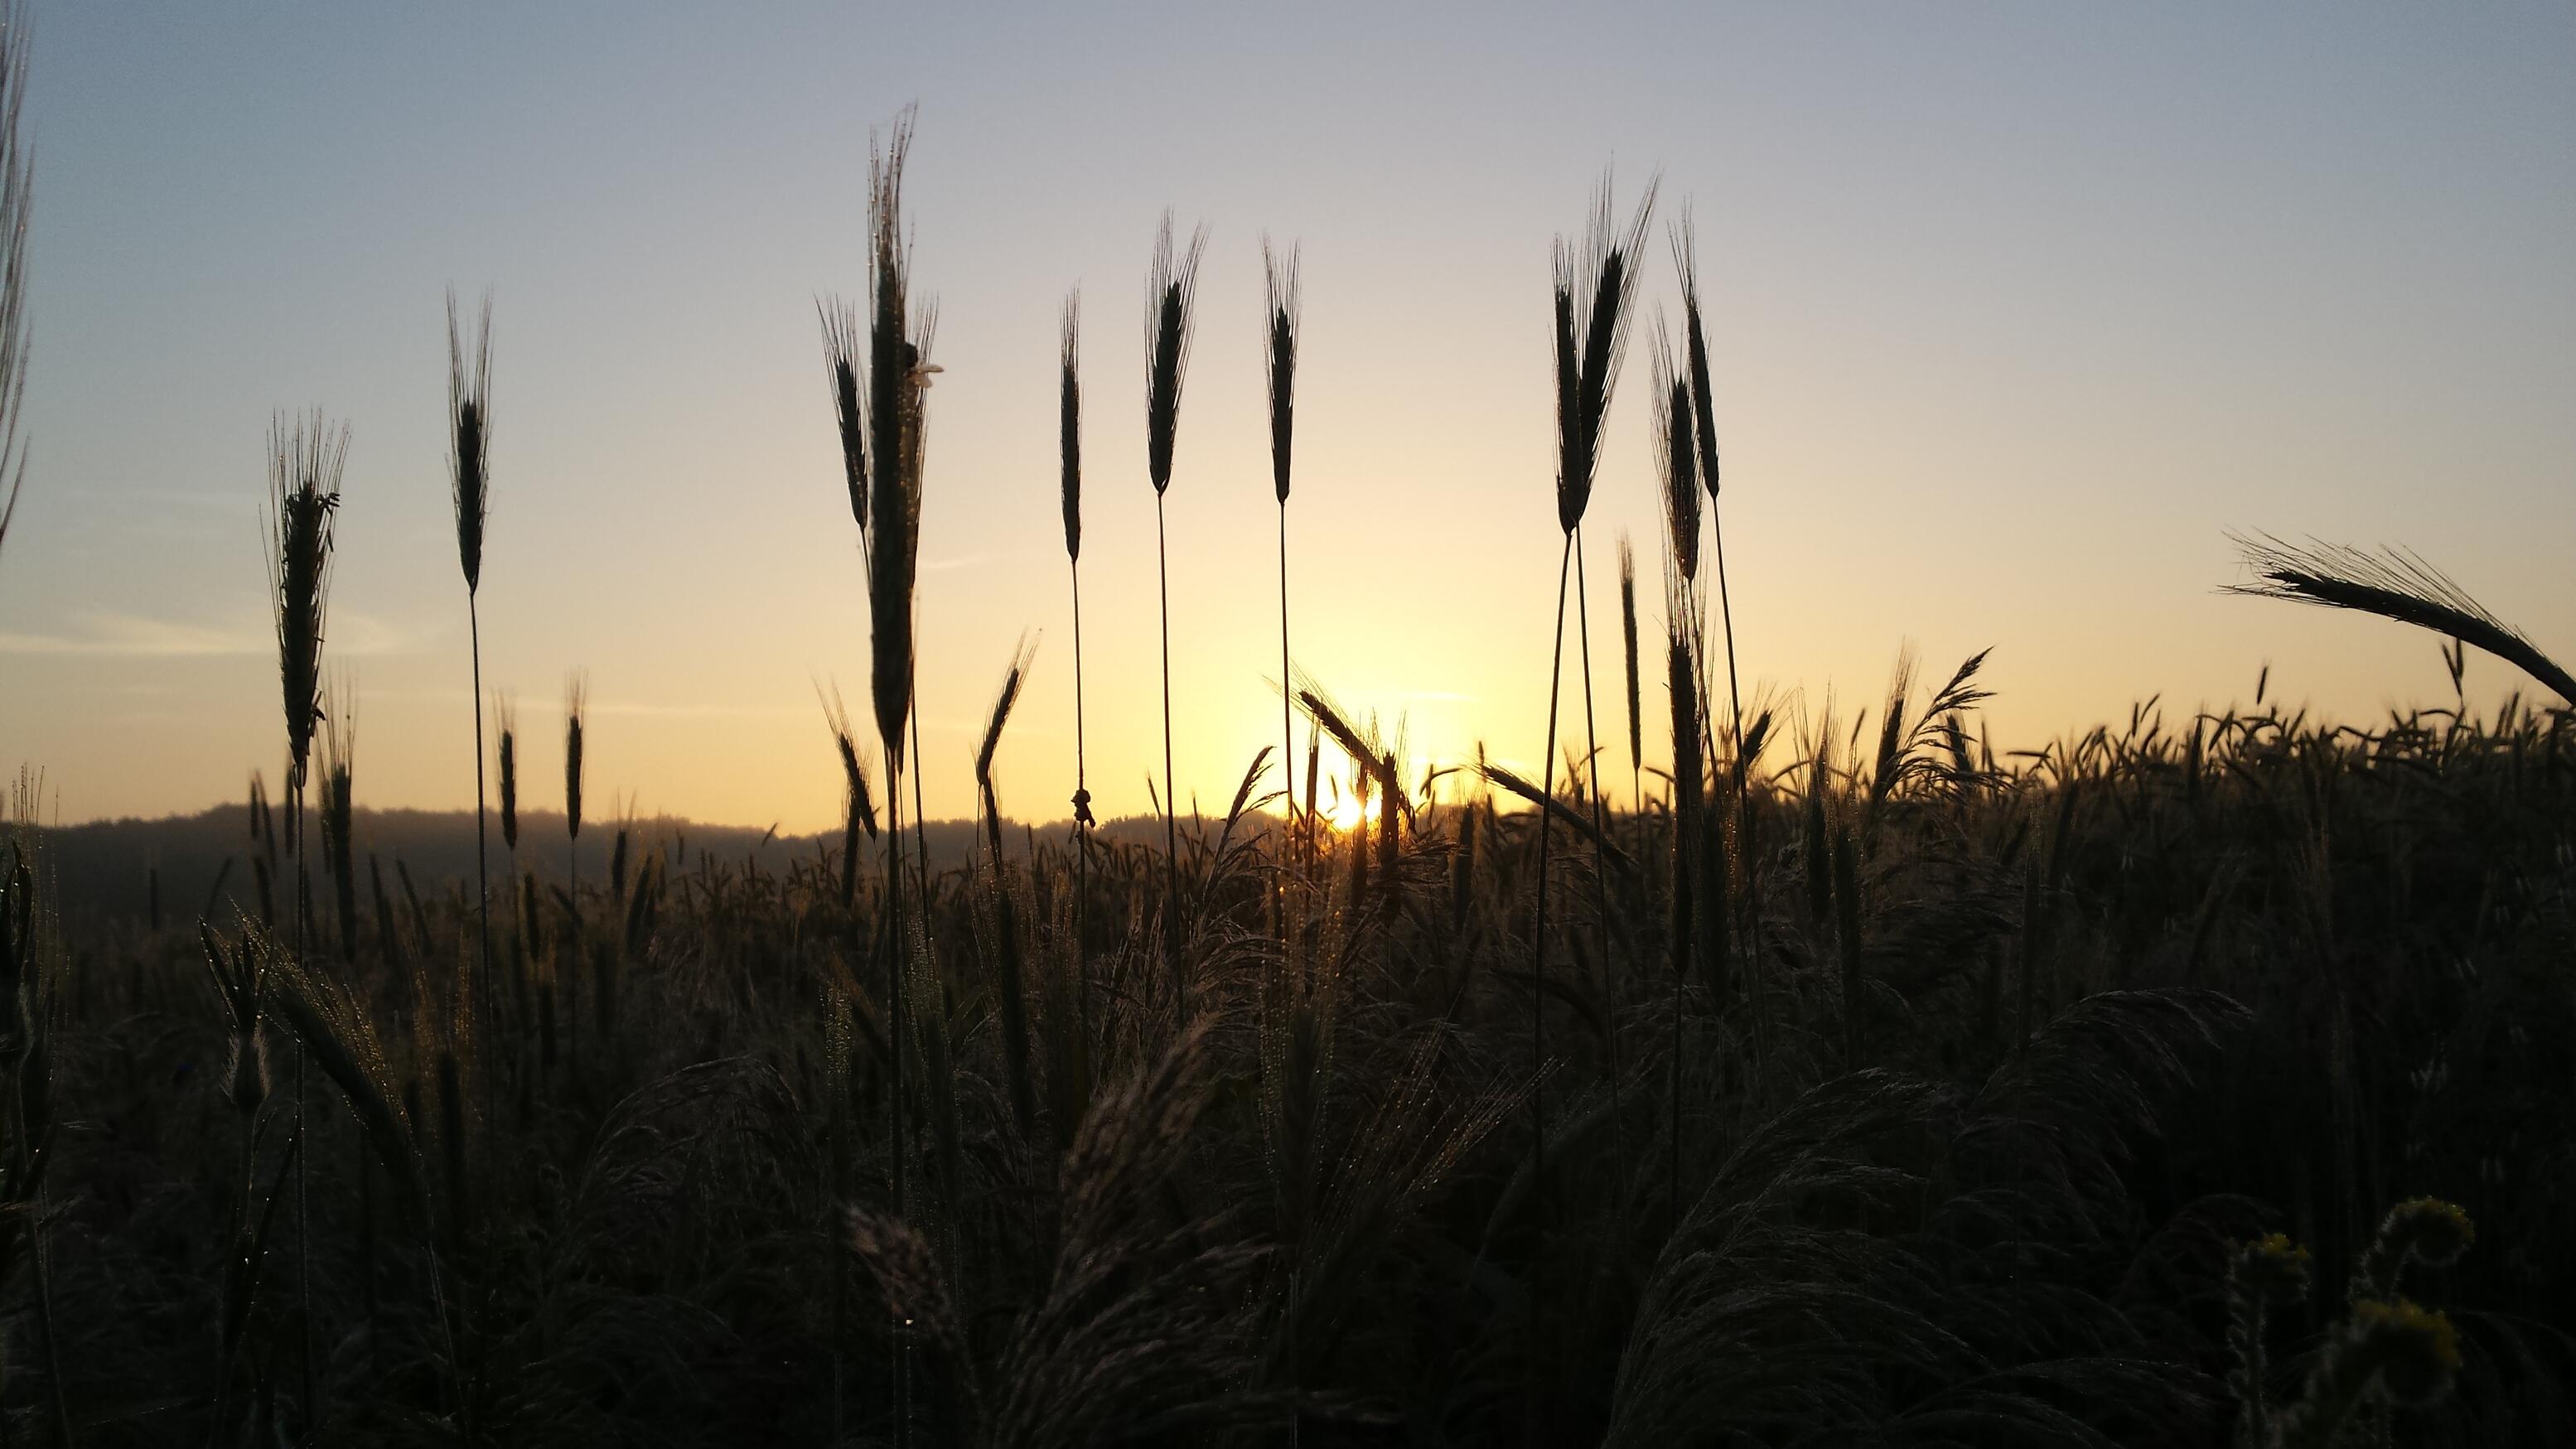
<point x="2017" y="308"/>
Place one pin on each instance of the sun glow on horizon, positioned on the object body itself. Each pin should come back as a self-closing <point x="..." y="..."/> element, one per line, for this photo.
<point x="2120" y="328"/>
<point x="1341" y="809"/>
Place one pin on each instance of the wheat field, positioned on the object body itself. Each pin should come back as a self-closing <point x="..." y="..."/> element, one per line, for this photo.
<point x="2203" y="1078"/>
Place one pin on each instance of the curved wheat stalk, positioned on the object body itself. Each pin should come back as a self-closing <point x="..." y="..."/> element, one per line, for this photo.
<point x="2394" y="583"/>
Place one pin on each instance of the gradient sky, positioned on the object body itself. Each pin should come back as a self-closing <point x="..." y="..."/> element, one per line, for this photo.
<point x="2016" y="309"/>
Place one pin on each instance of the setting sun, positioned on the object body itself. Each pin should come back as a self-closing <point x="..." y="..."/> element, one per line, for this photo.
<point x="1339" y="807"/>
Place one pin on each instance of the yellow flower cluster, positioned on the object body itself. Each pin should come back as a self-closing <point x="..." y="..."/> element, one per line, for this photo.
<point x="2274" y="1269"/>
<point x="2418" y="1349"/>
<point x="2434" y="1231"/>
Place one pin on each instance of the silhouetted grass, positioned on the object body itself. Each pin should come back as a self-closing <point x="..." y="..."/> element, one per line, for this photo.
<point x="1143" y="1135"/>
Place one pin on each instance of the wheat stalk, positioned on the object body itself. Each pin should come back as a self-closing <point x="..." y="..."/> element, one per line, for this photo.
<point x="1676" y="453"/>
<point x="1704" y="881"/>
<point x="305" y="461"/>
<point x="240" y="981"/>
<point x="898" y="382"/>
<point x="1703" y="412"/>
<point x="1682" y="646"/>
<point x="1636" y="716"/>
<point x="1171" y="287"/>
<point x="859" y="811"/>
<point x="1069" y="438"/>
<point x="2394" y="584"/>
<point x="14" y="191"/>
<point x="1594" y="283"/>
<point x="1282" y="297"/>
<point x="898" y="348"/>
<point x="339" y="758"/>
<point x="1009" y="986"/>
<point x="469" y="417"/>
<point x="844" y="364"/>
<point x="576" y="712"/>
<point x="899" y="371"/>
<point x="1554" y="808"/>
<point x="1009" y="695"/>
<point x="304" y="492"/>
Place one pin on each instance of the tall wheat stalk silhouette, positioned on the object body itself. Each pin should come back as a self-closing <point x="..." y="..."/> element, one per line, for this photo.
<point x="469" y="420"/>
<point x="897" y="385"/>
<point x="1171" y="288"/>
<point x="1703" y="429"/>
<point x="1683" y="643"/>
<point x="1069" y="429"/>
<point x="469" y="427"/>
<point x="1595" y="282"/>
<point x="1280" y="291"/>
<point x="846" y="348"/>
<point x="305" y="459"/>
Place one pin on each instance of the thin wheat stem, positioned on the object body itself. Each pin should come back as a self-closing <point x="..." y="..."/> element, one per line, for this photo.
<point x="41" y="1260"/>
<point x="1684" y="646"/>
<point x="1287" y="732"/>
<point x="1726" y="620"/>
<point x="898" y="1031"/>
<point x="1673" y="1168"/>
<point x="920" y="829"/>
<point x="1538" y="958"/>
<point x="1171" y="827"/>
<point x="1636" y="722"/>
<point x="482" y="868"/>
<point x="1750" y="933"/>
<point x="1081" y="829"/>
<point x="481" y="989"/>
<point x="896" y="1005"/>
<point x="1600" y="888"/>
<point x="303" y="1215"/>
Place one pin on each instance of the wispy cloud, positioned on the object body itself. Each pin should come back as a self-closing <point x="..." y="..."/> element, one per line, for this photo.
<point x="691" y="711"/>
<point x="532" y="706"/>
<point x="964" y="561"/>
<point x="132" y="636"/>
<point x="128" y="635"/>
<point x="365" y="635"/>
